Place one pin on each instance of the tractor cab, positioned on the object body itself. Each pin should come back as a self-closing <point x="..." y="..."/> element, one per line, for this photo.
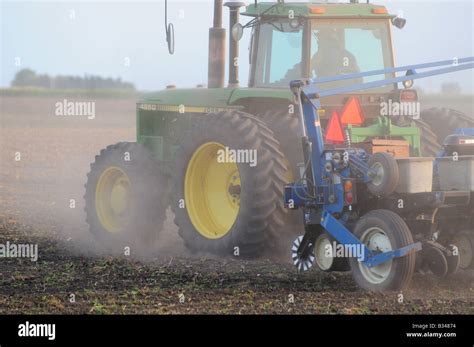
<point x="293" y="41"/>
<point x="304" y="40"/>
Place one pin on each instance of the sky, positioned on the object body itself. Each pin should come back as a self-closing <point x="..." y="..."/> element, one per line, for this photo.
<point x="126" y="39"/>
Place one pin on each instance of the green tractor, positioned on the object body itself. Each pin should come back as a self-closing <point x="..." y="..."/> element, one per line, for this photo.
<point x="220" y="156"/>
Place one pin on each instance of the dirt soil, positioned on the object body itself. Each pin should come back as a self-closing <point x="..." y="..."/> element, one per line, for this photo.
<point x="75" y="274"/>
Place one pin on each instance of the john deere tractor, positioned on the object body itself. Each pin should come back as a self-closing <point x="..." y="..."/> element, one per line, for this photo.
<point x="195" y="146"/>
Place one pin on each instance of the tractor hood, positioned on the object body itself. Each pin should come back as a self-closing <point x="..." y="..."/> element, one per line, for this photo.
<point x="216" y="97"/>
<point x="212" y="98"/>
<point x="204" y="100"/>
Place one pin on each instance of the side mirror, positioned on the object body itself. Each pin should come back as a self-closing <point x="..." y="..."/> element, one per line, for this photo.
<point x="237" y="31"/>
<point x="169" y="28"/>
<point x="409" y="83"/>
<point x="170" y="38"/>
<point x="399" y="22"/>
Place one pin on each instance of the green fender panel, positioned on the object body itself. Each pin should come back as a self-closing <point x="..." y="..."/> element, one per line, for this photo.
<point x="212" y="98"/>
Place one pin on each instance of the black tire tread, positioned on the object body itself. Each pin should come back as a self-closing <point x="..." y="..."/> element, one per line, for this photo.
<point x="285" y="127"/>
<point x="443" y="121"/>
<point x="142" y="165"/>
<point x="265" y="215"/>
<point x="428" y="138"/>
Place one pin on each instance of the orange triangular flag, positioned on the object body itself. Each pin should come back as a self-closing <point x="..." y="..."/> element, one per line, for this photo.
<point x="334" y="131"/>
<point x="352" y="112"/>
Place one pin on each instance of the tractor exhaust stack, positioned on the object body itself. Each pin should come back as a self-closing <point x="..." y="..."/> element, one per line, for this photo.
<point x="216" y="63"/>
<point x="234" y="15"/>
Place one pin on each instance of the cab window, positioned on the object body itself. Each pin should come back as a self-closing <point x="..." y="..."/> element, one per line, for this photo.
<point x="279" y="51"/>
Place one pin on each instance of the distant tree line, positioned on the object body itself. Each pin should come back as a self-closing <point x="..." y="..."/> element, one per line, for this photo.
<point x="29" y="78"/>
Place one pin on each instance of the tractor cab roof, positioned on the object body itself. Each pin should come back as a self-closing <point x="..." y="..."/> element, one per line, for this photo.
<point x="317" y="10"/>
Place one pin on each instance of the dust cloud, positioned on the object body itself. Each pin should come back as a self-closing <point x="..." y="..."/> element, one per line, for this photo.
<point x="44" y="161"/>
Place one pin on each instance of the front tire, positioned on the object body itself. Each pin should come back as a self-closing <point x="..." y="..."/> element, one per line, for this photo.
<point x="383" y="230"/>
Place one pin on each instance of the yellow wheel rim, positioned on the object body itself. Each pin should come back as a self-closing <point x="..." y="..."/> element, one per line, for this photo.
<point x="112" y="199"/>
<point x="212" y="191"/>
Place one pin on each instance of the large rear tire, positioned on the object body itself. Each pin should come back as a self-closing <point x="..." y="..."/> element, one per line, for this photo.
<point x="429" y="141"/>
<point x="124" y="194"/>
<point x="443" y="121"/>
<point x="285" y="127"/>
<point x="430" y="145"/>
<point x="383" y="230"/>
<point x="224" y="206"/>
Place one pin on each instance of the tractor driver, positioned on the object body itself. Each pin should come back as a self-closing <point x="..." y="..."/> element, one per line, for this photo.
<point x="331" y="58"/>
